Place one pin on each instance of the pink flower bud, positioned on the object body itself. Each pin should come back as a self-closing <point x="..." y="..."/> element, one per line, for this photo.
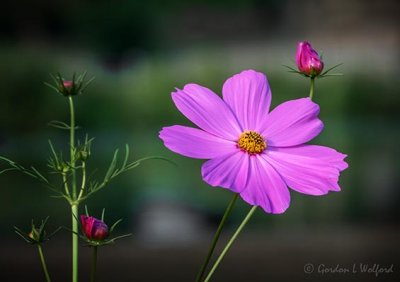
<point x="93" y="228"/>
<point x="307" y="59"/>
<point x="68" y="83"/>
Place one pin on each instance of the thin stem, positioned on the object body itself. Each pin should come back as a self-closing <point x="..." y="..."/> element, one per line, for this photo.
<point x="74" y="211"/>
<point x="216" y="237"/>
<point x="229" y="244"/>
<point x="64" y="176"/>
<point x="74" y="206"/>
<point x="94" y="264"/>
<point x="312" y="88"/>
<point x="72" y="145"/>
<point x="83" y="180"/>
<point x="46" y="273"/>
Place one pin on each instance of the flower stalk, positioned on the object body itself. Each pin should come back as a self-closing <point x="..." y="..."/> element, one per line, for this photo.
<point x="74" y="204"/>
<point x="94" y="264"/>
<point x="74" y="214"/>
<point x="46" y="273"/>
<point x="72" y="144"/>
<point x="312" y="88"/>
<point x="216" y="237"/>
<point x="230" y="243"/>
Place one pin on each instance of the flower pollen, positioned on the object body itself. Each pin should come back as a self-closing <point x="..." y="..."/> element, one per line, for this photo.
<point x="252" y="142"/>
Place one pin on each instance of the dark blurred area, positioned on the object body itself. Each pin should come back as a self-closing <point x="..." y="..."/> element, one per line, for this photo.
<point x="139" y="51"/>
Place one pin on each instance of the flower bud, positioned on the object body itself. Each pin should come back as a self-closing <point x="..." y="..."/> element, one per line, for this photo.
<point x="34" y="234"/>
<point x="69" y="88"/>
<point x="68" y="84"/>
<point x="82" y="155"/>
<point x="62" y="167"/>
<point x="307" y="59"/>
<point x="93" y="228"/>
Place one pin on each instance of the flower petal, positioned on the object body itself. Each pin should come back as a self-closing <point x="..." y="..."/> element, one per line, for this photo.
<point x="312" y="170"/>
<point x="195" y="143"/>
<point x="327" y="154"/>
<point x="207" y="110"/>
<point x="230" y="171"/>
<point x="292" y="123"/>
<point x="266" y="187"/>
<point x="99" y="231"/>
<point x="249" y="96"/>
<point x="87" y="225"/>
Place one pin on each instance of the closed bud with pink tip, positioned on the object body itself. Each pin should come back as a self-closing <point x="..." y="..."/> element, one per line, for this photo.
<point x="307" y="59"/>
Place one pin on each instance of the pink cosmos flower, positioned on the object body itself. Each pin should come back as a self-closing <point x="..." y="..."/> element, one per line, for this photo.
<point x="252" y="151"/>
<point x="307" y="60"/>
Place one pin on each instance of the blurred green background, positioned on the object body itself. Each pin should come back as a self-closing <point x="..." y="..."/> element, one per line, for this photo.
<point x="139" y="51"/>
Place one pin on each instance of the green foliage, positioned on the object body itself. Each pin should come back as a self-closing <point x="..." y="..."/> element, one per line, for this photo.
<point x="321" y="75"/>
<point x="114" y="170"/>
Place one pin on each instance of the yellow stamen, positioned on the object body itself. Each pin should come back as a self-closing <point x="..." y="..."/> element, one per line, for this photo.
<point x="252" y="142"/>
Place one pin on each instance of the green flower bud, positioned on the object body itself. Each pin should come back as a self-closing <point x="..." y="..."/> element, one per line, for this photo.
<point x="82" y="155"/>
<point x="34" y="234"/>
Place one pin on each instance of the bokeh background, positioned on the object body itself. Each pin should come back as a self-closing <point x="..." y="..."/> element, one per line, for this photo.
<point x="139" y="51"/>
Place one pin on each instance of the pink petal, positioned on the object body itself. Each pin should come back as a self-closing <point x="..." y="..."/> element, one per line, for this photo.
<point x="195" y="143"/>
<point x="230" y="171"/>
<point x="292" y="123"/>
<point x="330" y="155"/>
<point x="266" y="187"/>
<point x="312" y="170"/>
<point x="207" y="110"/>
<point x="87" y="225"/>
<point x="249" y="96"/>
<point x="299" y="53"/>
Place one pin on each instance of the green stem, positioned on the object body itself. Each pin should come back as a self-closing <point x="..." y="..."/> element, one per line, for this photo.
<point x="74" y="211"/>
<point x="312" y="88"/>
<point x="46" y="273"/>
<point x="74" y="205"/>
<point x="231" y="241"/>
<point x="64" y="176"/>
<point x="83" y="181"/>
<point x="72" y="145"/>
<point x="94" y="264"/>
<point x="216" y="237"/>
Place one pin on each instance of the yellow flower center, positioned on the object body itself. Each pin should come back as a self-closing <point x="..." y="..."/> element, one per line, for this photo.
<point x="252" y="142"/>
